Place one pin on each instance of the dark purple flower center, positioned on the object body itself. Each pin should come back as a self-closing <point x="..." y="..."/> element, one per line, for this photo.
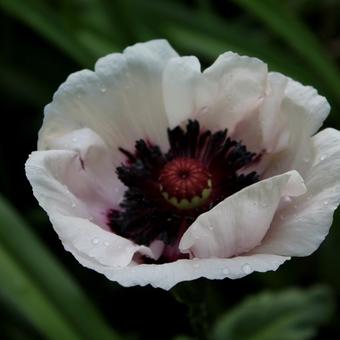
<point x="166" y="192"/>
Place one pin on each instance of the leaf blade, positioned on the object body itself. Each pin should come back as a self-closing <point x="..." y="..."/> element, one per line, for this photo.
<point x="50" y="276"/>
<point x="291" y="314"/>
<point x="31" y="302"/>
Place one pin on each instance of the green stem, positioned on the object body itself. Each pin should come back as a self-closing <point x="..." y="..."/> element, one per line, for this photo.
<point x="194" y="295"/>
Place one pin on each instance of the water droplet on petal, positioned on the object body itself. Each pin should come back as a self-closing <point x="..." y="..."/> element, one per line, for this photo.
<point x="210" y="227"/>
<point x="95" y="241"/>
<point x="106" y="243"/>
<point x="287" y="199"/>
<point x="322" y="158"/>
<point x="246" y="268"/>
<point x="73" y="205"/>
<point x="325" y="202"/>
<point x="225" y="271"/>
<point x="103" y="90"/>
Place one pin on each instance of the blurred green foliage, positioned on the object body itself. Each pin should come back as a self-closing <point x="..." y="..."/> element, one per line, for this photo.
<point x="44" y="293"/>
<point x="292" y="314"/>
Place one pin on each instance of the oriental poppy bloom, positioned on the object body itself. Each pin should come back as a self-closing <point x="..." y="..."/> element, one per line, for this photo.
<point x="153" y="172"/>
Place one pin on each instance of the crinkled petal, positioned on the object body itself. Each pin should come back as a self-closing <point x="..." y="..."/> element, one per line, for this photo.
<point x="167" y="275"/>
<point x="67" y="186"/>
<point x="239" y="223"/>
<point x="185" y="89"/>
<point x="81" y="164"/>
<point x="274" y="134"/>
<point x="286" y="136"/>
<point x="219" y="97"/>
<point x="100" y="246"/>
<point x="315" y="106"/>
<point x="265" y="128"/>
<point x="240" y="85"/>
<point x="299" y="227"/>
<point x="121" y="101"/>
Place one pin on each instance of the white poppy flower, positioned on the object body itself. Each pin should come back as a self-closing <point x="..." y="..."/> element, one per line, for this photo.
<point x="153" y="172"/>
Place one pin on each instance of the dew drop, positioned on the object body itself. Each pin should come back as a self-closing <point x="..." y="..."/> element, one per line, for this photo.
<point x="322" y="158"/>
<point x="325" y="202"/>
<point x="106" y="243"/>
<point x="246" y="268"/>
<point x="95" y="241"/>
<point x="287" y="199"/>
<point x="103" y="90"/>
<point x="225" y="271"/>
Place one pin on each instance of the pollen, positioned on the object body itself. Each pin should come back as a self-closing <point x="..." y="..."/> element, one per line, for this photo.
<point x="185" y="183"/>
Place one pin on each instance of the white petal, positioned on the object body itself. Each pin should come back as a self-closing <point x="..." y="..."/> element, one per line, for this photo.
<point x="290" y="147"/>
<point x="240" y="87"/>
<point x="184" y="88"/>
<point x="102" y="247"/>
<point x="289" y="114"/>
<point x="274" y="136"/>
<point x="316" y="107"/>
<point x="68" y="187"/>
<point x="82" y="165"/>
<point x="300" y="227"/>
<point x="286" y="128"/>
<point x="121" y="101"/>
<point x="265" y="129"/>
<point x="219" y="97"/>
<point x="167" y="275"/>
<point x="239" y="223"/>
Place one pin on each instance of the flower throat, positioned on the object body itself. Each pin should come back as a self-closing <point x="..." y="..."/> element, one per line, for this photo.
<point x="167" y="191"/>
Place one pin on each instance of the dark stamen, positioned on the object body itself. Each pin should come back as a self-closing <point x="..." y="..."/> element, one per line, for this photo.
<point x="167" y="192"/>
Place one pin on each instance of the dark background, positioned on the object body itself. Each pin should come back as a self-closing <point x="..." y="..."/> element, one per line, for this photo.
<point x="42" y="42"/>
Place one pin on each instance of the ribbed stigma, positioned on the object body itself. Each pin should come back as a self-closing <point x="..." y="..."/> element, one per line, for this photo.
<point x="185" y="183"/>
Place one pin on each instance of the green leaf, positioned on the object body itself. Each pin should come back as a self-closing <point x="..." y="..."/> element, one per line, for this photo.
<point x="289" y="315"/>
<point x="296" y="34"/>
<point x="31" y="260"/>
<point x="30" y="300"/>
